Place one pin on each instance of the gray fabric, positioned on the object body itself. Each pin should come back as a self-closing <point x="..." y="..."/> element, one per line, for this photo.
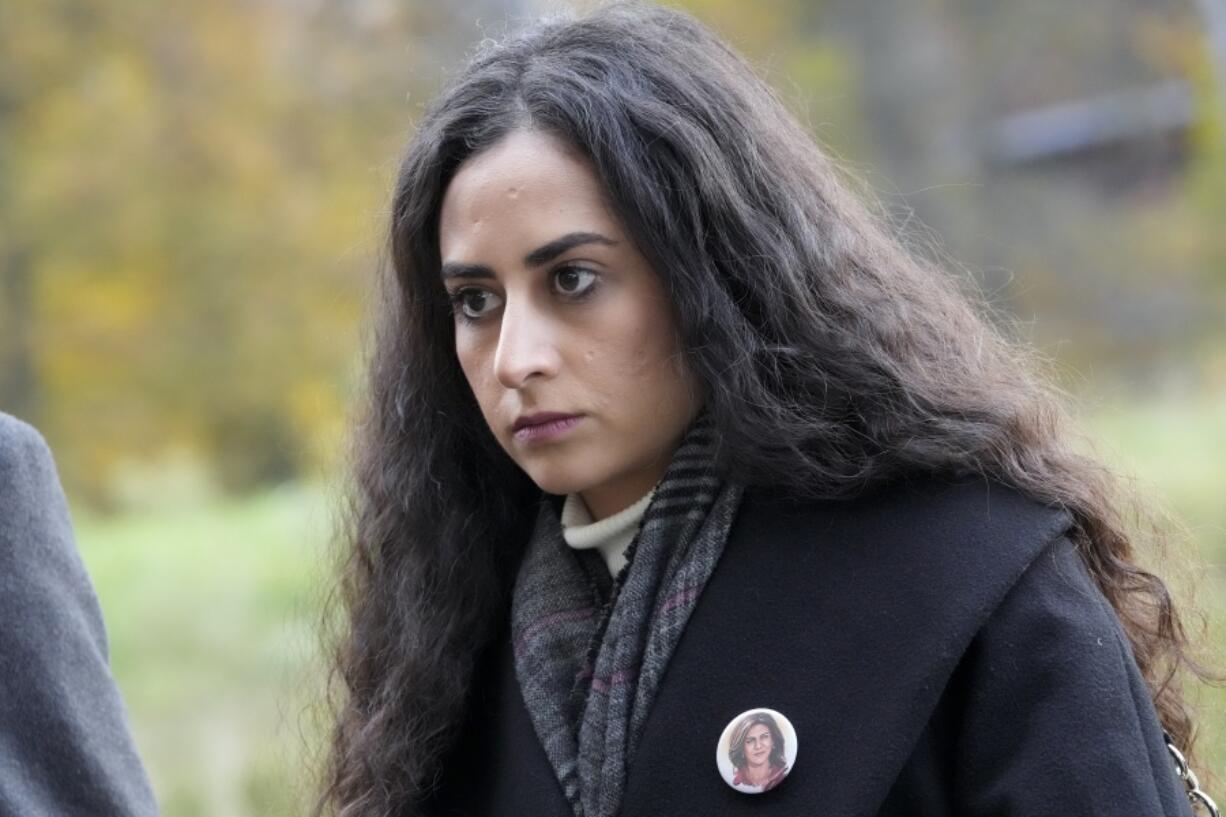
<point x="589" y="667"/>
<point x="65" y="749"/>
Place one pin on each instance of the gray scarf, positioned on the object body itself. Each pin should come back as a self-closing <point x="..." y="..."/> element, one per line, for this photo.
<point x="589" y="656"/>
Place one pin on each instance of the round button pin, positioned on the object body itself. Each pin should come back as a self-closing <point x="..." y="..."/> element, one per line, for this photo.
<point x="756" y="751"/>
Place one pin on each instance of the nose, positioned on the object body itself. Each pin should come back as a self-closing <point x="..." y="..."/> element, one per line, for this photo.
<point x="527" y="346"/>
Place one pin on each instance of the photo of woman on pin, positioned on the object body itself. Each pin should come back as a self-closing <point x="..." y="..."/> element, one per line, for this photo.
<point x="759" y="752"/>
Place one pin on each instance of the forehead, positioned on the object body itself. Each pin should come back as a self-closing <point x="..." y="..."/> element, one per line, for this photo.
<point x="758" y="728"/>
<point x="524" y="190"/>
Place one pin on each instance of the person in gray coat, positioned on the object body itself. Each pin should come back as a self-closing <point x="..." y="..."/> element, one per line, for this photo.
<point x="65" y="747"/>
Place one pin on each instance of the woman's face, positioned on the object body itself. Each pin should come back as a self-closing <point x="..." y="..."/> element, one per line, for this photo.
<point x="562" y="329"/>
<point x="758" y="743"/>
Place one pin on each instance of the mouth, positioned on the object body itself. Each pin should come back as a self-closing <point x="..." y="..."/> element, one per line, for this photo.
<point x="545" y="425"/>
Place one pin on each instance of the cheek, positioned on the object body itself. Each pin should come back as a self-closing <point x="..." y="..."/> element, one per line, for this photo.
<point x="474" y="363"/>
<point x="658" y="363"/>
<point x="637" y="364"/>
<point x="648" y="339"/>
<point x="466" y="354"/>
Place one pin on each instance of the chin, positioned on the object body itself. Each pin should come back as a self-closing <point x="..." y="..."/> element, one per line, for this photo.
<point x="553" y="479"/>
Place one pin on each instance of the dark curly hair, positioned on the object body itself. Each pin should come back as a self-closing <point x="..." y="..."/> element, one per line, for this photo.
<point x="831" y="359"/>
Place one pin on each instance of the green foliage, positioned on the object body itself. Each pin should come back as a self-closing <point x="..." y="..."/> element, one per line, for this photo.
<point x="211" y="613"/>
<point x="193" y="192"/>
<point x="1187" y="232"/>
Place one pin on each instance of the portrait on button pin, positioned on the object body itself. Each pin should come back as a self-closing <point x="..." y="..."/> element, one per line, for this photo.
<point x="759" y="749"/>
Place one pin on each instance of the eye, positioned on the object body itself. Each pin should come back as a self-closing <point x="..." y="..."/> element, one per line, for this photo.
<point x="574" y="282"/>
<point x="473" y="304"/>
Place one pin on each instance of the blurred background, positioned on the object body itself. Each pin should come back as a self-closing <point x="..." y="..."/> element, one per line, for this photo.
<point x="192" y="201"/>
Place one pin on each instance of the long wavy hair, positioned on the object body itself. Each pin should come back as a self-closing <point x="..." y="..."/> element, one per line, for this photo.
<point x="832" y="359"/>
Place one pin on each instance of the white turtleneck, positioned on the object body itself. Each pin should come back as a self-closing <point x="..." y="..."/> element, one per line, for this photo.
<point x="611" y="535"/>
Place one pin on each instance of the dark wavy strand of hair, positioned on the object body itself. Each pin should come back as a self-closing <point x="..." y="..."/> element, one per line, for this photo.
<point x="831" y="358"/>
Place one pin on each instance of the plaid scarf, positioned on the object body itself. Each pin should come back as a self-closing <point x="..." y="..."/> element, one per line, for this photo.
<point x="589" y="654"/>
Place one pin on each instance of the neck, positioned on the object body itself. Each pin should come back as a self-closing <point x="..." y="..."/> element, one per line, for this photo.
<point x="606" y="500"/>
<point x="759" y="774"/>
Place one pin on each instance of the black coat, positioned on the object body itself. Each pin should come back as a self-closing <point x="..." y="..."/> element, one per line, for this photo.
<point x="939" y="648"/>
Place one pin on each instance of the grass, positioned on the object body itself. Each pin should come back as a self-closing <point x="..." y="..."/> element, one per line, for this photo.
<point x="211" y="612"/>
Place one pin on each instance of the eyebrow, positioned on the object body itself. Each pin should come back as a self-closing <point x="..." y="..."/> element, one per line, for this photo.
<point x="538" y="257"/>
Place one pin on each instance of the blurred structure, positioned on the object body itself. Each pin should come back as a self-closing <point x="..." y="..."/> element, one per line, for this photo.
<point x="1126" y="141"/>
<point x="193" y="196"/>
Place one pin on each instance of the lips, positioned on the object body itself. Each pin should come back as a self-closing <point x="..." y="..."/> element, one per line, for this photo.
<point x="540" y="418"/>
<point x="544" y="426"/>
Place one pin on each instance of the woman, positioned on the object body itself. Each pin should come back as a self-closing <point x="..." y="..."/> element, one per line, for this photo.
<point x="663" y="426"/>
<point x="756" y="751"/>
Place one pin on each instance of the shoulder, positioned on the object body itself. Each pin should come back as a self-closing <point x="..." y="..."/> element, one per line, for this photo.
<point x="30" y="492"/>
<point x="31" y="498"/>
<point x="24" y="454"/>
<point x="917" y="567"/>
<point x="34" y="516"/>
<point x="11" y="426"/>
<point x="43" y="581"/>
<point x="932" y="528"/>
<point x="940" y="504"/>
<point x="1054" y="712"/>
<point x="40" y="568"/>
<point x="1056" y="627"/>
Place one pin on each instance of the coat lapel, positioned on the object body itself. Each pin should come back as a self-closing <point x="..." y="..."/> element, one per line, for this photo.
<point x="848" y="618"/>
